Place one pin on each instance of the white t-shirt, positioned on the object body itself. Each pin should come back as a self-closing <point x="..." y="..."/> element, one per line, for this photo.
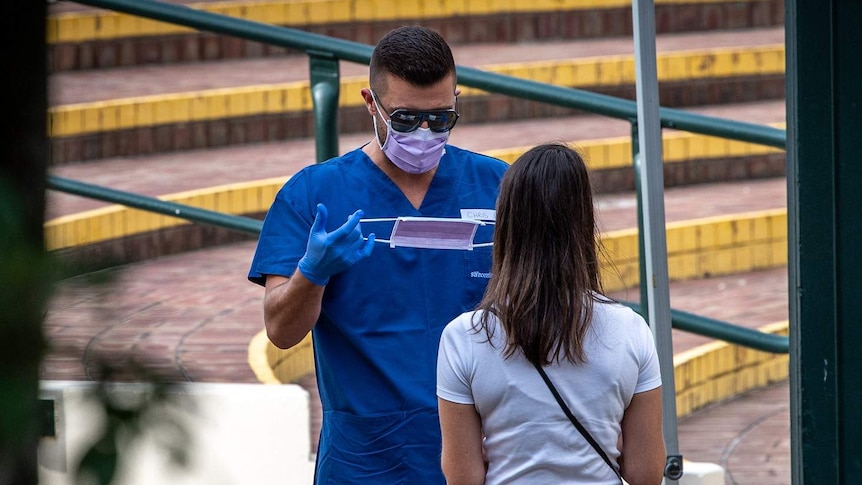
<point x="528" y="438"/>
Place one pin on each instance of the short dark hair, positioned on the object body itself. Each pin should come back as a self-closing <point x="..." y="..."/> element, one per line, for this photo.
<point x="545" y="271"/>
<point x="415" y="54"/>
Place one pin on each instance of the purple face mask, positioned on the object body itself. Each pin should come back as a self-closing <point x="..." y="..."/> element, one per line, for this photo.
<point x="432" y="233"/>
<point x="416" y="152"/>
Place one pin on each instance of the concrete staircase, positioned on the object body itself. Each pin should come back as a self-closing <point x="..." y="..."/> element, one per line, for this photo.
<point x="127" y="113"/>
<point x="221" y="123"/>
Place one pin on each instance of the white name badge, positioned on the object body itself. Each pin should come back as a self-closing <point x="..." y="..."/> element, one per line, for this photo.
<point x="479" y="214"/>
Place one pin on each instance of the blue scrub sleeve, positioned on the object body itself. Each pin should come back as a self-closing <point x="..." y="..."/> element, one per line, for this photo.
<point x="284" y="236"/>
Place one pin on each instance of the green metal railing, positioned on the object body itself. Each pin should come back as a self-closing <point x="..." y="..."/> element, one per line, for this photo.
<point x="735" y="334"/>
<point x="324" y="54"/>
<point x="151" y="204"/>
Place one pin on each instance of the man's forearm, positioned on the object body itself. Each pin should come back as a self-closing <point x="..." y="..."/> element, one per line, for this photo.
<point x="291" y="308"/>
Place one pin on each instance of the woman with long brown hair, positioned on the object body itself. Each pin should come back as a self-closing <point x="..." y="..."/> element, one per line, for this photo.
<point x="545" y="352"/>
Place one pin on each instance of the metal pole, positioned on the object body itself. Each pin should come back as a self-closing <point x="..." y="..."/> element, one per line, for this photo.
<point x="652" y="200"/>
<point x="642" y="277"/>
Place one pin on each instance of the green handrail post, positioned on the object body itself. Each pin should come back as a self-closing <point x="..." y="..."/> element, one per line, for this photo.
<point x="325" y="88"/>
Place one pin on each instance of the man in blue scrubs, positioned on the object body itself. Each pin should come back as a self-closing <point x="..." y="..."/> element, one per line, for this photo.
<point x="376" y="311"/>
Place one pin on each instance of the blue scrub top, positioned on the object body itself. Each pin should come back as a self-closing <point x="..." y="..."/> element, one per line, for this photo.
<point x="375" y="343"/>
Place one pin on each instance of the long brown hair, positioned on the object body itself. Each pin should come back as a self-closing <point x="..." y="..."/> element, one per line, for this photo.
<point x="545" y="272"/>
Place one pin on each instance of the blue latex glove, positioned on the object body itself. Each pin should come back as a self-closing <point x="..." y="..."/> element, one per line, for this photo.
<point x="329" y="253"/>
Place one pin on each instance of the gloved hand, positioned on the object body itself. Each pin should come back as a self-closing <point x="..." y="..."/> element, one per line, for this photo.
<point x="329" y="253"/>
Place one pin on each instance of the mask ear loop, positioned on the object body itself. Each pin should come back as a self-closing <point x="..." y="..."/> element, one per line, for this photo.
<point x="489" y="222"/>
<point x="379" y="219"/>
<point x="385" y="122"/>
<point x="382" y="219"/>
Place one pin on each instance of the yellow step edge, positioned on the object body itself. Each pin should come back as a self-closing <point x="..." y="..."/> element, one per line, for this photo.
<point x="78" y="229"/>
<point x="693" y="249"/>
<point x="152" y="110"/>
<point x="259" y="358"/>
<point x="703" y="375"/>
<point x="143" y="111"/>
<point x="102" y="25"/>
<point x="619" y="268"/>
<point x="609" y="153"/>
<point x="256" y="196"/>
<point x="693" y="253"/>
<point x="679" y="65"/>
<point x="718" y="370"/>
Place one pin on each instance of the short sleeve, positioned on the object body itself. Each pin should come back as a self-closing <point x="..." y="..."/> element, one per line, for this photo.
<point x="284" y="235"/>
<point x="649" y="371"/>
<point x="453" y="364"/>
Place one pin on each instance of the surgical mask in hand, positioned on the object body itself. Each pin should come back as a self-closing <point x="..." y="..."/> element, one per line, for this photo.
<point x="433" y="233"/>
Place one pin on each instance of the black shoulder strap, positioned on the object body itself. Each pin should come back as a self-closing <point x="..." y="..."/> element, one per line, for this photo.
<point x="575" y="421"/>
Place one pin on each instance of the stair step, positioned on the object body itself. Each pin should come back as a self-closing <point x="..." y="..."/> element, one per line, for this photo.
<point x="244" y="180"/>
<point x="162" y="174"/>
<point x="237" y="102"/>
<point x="107" y="84"/>
<point x="82" y="38"/>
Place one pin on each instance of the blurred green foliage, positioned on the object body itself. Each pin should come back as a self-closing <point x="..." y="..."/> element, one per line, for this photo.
<point x="28" y="274"/>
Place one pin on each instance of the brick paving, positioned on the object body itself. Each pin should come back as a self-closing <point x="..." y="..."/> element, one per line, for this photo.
<point x="749" y="436"/>
<point x="190" y="317"/>
<point x="185" y="310"/>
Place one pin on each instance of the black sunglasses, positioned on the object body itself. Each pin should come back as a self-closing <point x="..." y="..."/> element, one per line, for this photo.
<point x="407" y="120"/>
